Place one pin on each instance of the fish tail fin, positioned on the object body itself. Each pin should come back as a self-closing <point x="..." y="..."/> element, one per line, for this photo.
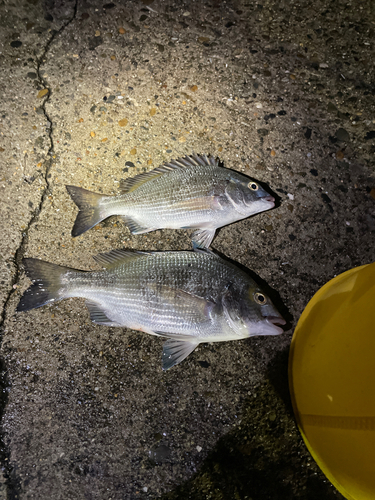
<point x="46" y="287"/>
<point x="89" y="211"/>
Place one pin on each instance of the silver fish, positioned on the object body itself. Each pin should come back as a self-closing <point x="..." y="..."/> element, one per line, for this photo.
<point x="191" y="192"/>
<point x="187" y="297"/>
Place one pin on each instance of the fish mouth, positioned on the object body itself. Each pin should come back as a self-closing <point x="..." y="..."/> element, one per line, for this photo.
<point x="273" y="321"/>
<point x="269" y="199"/>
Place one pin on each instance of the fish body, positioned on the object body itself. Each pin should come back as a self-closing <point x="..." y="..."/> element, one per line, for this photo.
<point x="191" y="193"/>
<point x="187" y="297"/>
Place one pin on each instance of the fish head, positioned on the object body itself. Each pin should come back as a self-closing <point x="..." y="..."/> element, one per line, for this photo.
<point x="247" y="196"/>
<point x="251" y="312"/>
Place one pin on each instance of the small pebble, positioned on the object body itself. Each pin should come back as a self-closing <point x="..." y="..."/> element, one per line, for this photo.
<point x="123" y="122"/>
<point x="121" y="31"/>
<point x="133" y="151"/>
<point x="290" y="196"/>
<point x="42" y="93"/>
<point x="193" y="88"/>
<point x="199" y="449"/>
<point x="342" y="135"/>
<point x="339" y="155"/>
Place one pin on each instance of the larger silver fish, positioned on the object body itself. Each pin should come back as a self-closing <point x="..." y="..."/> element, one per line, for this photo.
<point x="191" y="192"/>
<point x="188" y="297"/>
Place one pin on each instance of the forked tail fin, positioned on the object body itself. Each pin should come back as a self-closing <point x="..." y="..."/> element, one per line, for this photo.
<point x="89" y="212"/>
<point x="46" y="287"/>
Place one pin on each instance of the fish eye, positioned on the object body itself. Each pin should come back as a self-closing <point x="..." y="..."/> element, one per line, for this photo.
<point x="253" y="186"/>
<point x="260" y="298"/>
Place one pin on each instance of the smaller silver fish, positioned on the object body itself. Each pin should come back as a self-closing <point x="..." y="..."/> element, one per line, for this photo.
<point x="188" y="193"/>
<point x="186" y="297"/>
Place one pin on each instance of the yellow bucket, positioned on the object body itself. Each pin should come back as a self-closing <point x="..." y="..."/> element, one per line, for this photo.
<point x="332" y="380"/>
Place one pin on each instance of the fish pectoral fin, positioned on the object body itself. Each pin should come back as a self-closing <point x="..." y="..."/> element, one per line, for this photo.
<point x="175" y="351"/>
<point x="196" y="310"/>
<point x="203" y="237"/>
<point x="135" y="227"/>
<point x="97" y="314"/>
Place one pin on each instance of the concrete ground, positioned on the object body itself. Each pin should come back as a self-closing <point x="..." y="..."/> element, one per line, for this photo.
<point x="92" y="92"/>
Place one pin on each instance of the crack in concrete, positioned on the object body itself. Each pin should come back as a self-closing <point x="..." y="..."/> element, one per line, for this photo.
<point x="12" y="482"/>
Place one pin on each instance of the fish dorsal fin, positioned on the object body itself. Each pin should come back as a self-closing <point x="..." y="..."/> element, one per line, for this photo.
<point x="133" y="183"/>
<point x="117" y="257"/>
<point x="193" y="160"/>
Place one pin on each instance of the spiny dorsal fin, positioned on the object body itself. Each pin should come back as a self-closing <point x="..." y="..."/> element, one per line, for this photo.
<point x="131" y="184"/>
<point x="193" y="161"/>
<point x="117" y="257"/>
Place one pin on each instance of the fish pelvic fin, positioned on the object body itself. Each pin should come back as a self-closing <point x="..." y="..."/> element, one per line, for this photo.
<point x="175" y="351"/>
<point x="47" y="284"/>
<point x="89" y="212"/>
<point x="202" y="238"/>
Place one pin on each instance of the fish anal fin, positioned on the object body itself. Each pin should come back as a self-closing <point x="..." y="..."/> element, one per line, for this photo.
<point x="202" y="238"/>
<point x="97" y="314"/>
<point x="175" y="351"/>
<point x="117" y="257"/>
<point x="135" y="227"/>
